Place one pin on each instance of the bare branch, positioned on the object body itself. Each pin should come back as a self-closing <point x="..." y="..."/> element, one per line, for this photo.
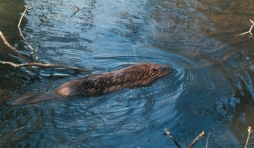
<point x="20" y="28"/>
<point x="44" y="65"/>
<point x="34" y="52"/>
<point x="196" y="139"/>
<point x="247" y="31"/>
<point x="248" y="137"/>
<point x="170" y="136"/>
<point x="13" y="48"/>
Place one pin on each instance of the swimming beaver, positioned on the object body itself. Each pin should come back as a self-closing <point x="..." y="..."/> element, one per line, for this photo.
<point x="97" y="84"/>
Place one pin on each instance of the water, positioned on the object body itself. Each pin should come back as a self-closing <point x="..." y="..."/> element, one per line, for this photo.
<point x="210" y="88"/>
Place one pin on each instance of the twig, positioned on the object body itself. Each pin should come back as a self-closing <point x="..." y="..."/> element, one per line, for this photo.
<point x="170" y="136"/>
<point x="44" y="65"/>
<point x="13" y="48"/>
<point x="20" y="31"/>
<point x="248" y="137"/>
<point x="247" y="31"/>
<point x="207" y="140"/>
<point x="196" y="139"/>
<point x="76" y="10"/>
<point x="34" y="52"/>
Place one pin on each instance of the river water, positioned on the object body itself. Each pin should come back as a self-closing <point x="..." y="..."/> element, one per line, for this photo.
<point x="210" y="88"/>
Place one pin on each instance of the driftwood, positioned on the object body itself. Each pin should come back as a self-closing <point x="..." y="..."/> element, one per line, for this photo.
<point x="29" y="62"/>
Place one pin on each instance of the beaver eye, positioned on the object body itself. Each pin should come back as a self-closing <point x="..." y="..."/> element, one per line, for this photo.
<point x="155" y="70"/>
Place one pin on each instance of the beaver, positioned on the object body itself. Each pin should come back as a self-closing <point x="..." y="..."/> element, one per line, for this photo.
<point x="136" y="75"/>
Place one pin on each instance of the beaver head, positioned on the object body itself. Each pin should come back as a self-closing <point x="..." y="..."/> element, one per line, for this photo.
<point x="145" y="73"/>
<point x="160" y="70"/>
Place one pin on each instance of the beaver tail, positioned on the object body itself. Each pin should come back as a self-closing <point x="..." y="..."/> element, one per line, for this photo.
<point x="36" y="98"/>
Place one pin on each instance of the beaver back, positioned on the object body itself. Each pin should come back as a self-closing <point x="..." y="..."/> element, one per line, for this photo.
<point x="96" y="84"/>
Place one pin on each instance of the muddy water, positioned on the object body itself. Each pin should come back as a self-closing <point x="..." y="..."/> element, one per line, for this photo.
<point x="210" y="88"/>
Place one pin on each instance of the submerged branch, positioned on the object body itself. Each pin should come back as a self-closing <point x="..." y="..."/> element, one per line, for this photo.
<point x="207" y="140"/>
<point x="76" y="10"/>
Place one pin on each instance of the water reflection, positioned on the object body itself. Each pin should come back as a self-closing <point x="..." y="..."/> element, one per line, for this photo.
<point x="210" y="88"/>
<point x="218" y="22"/>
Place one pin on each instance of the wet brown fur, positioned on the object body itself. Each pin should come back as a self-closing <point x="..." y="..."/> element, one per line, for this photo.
<point x="97" y="84"/>
<point x="135" y="75"/>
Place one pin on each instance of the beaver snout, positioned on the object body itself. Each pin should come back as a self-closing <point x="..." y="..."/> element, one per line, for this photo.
<point x="165" y="70"/>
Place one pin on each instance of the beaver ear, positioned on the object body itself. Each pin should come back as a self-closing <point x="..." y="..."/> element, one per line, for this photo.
<point x="155" y="70"/>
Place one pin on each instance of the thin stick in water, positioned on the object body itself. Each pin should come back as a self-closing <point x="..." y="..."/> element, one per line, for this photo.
<point x="34" y="51"/>
<point x="207" y="140"/>
<point x="248" y="137"/>
<point x="170" y="136"/>
<point x="196" y="139"/>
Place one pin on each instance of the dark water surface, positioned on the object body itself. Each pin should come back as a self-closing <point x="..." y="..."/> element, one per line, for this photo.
<point x="210" y="88"/>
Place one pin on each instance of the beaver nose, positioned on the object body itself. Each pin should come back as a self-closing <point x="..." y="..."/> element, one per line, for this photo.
<point x="166" y="69"/>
